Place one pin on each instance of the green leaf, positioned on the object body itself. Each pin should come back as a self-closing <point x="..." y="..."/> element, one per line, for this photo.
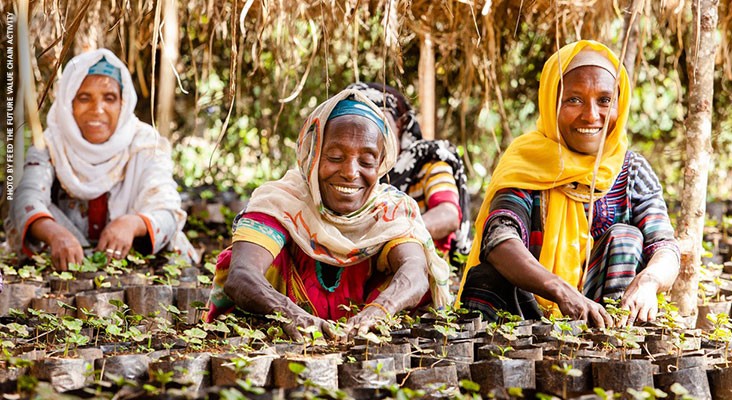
<point x="469" y="385"/>
<point x="297" y="369"/>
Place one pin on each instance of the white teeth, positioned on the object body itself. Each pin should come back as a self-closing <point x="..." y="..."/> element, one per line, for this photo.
<point x="95" y="123"/>
<point x="345" y="189"/>
<point x="588" y="131"/>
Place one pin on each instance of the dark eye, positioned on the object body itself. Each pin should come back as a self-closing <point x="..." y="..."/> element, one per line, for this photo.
<point x="605" y="100"/>
<point x="81" y="98"/>
<point x="573" y="100"/>
<point x="335" y="158"/>
<point x="368" y="161"/>
<point x="112" y="98"/>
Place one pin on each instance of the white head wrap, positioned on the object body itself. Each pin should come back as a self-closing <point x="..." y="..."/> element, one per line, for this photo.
<point x="86" y="170"/>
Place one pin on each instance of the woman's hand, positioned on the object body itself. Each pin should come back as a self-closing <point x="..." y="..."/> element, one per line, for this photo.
<point x="658" y="276"/>
<point x="302" y="319"/>
<point x="576" y="306"/>
<point x="361" y="323"/>
<point x="640" y="299"/>
<point x="65" y="248"/>
<point x="116" y="238"/>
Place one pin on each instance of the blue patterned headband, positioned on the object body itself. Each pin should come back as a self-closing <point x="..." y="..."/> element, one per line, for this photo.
<point x="353" y="107"/>
<point x="103" y="67"/>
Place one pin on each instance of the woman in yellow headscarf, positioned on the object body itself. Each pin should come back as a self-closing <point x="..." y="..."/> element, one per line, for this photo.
<point x="533" y="234"/>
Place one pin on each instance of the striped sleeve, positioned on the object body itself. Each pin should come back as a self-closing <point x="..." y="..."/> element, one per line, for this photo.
<point x="648" y="209"/>
<point x="439" y="179"/>
<point x="510" y="219"/>
<point x="436" y="184"/>
<point x="261" y="229"/>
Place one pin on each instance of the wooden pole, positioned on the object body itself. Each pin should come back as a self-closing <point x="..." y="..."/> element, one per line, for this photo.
<point x="27" y="85"/>
<point x="701" y="50"/>
<point x="167" y="67"/>
<point x="427" y="87"/>
<point x="632" y="32"/>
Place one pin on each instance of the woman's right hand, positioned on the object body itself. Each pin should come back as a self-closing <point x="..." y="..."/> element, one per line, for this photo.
<point x="302" y="319"/>
<point x="576" y="306"/>
<point x="65" y="248"/>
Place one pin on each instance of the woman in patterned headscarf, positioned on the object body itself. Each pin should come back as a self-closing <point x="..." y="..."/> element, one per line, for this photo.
<point x="105" y="178"/>
<point x="533" y="232"/>
<point x="329" y="234"/>
<point x="430" y="171"/>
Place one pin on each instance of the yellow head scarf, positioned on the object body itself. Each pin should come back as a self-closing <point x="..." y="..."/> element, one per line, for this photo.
<point x="541" y="160"/>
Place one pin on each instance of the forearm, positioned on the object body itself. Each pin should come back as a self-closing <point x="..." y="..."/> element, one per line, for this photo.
<point x="246" y="285"/>
<point x="515" y="263"/>
<point x="441" y="220"/>
<point x="250" y="291"/>
<point x="45" y="229"/>
<point x="136" y="223"/>
<point x="407" y="287"/>
<point x="661" y="270"/>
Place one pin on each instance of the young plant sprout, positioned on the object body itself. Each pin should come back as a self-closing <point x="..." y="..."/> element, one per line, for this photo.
<point x="722" y="332"/>
<point x="569" y="372"/>
<point x="503" y="350"/>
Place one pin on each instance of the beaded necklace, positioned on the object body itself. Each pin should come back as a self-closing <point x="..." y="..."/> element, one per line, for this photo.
<point x="319" y="274"/>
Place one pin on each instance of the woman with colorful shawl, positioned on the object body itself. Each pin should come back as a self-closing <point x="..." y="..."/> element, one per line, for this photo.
<point x="328" y="234"/>
<point x="105" y="178"/>
<point x="533" y="231"/>
<point x="430" y="171"/>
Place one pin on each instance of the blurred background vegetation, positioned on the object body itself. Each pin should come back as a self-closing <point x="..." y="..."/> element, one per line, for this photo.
<point x="273" y="61"/>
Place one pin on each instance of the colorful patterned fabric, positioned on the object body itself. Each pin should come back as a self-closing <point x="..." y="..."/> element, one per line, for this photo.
<point x="341" y="240"/>
<point x="434" y="185"/>
<point x="416" y="153"/>
<point x="300" y="277"/>
<point x="630" y="225"/>
<point x="540" y="160"/>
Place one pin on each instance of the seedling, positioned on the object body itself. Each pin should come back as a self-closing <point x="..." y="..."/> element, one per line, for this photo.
<point x="722" y="332"/>
<point x="503" y="350"/>
<point x="73" y="335"/>
<point x="617" y="313"/>
<point x="647" y="393"/>
<point x="370" y="337"/>
<point x="569" y="372"/>
<point x="565" y="336"/>
<point x="195" y="338"/>
<point x="312" y="337"/>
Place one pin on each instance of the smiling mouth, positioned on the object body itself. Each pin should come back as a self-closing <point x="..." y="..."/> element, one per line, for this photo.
<point x="589" y="131"/>
<point x="345" y="190"/>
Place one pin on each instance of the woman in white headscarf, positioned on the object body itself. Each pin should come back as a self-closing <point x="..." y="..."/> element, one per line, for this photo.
<point x="104" y="179"/>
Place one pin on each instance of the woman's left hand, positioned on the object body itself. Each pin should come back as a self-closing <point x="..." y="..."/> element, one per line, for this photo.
<point x="640" y="299"/>
<point x="116" y="238"/>
<point x="361" y="323"/>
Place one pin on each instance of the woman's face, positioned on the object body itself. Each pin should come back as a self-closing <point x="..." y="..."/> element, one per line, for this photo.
<point x="349" y="162"/>
<point x="97" y="106"/>
<point x="585" y="104"/>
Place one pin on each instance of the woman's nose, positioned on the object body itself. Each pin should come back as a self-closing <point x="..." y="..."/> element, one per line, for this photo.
<point x="350" y="169"/>
<point x="98" y="106"/>
<point x="591" y="112"/>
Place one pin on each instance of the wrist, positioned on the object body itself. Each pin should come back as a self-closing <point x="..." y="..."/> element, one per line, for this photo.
<point x="649" y="280"/>
<point x="135" y="223"/>
<point x="558" y="290"/>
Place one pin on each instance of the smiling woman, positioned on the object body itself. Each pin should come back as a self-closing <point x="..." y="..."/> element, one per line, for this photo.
<point x="105" y="178"/>
<point x="328" y="234"/>
<point x="535" y="225"/>
<point x="349" y="162"/>
<point x="96" y="106"/>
